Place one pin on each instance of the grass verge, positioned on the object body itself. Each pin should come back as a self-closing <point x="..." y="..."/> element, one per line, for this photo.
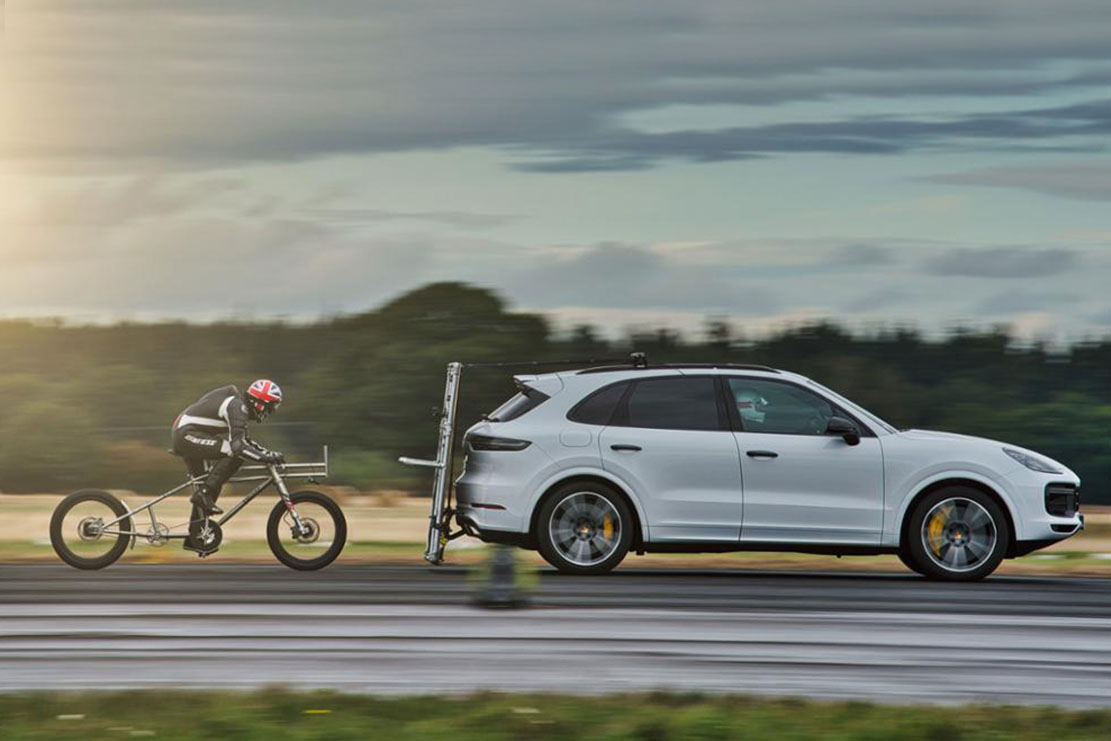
<point x="282" y="714"/>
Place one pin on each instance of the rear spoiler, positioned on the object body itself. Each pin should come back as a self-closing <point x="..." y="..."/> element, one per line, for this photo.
<point x="548" y="385"/>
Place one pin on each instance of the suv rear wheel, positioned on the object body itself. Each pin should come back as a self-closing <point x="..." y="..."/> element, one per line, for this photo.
<point x="957" y="534"/>
<point x="584" y="528"/>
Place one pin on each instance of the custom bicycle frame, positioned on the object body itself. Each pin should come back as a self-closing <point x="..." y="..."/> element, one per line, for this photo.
<point x="274" y="475"/>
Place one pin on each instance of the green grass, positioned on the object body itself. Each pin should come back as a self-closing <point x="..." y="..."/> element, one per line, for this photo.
<point x="280" y="714"/>
<point x="232" y="551"/>
<point x="370" y="551"/>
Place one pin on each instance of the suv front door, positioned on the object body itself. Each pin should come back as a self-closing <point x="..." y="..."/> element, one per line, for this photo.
<point x="801" y="484"/>
<point x="670" y="441"/>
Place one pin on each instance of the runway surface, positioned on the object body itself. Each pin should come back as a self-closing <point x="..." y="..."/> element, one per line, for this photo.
<point x="410" y="630"/>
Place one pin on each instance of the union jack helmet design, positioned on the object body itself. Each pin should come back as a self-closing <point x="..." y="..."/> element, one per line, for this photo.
<point x="263" y="398"/>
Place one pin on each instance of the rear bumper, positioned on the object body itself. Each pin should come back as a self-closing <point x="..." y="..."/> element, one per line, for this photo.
<point x="471" y="525"/>
<point x="488" y="503"/>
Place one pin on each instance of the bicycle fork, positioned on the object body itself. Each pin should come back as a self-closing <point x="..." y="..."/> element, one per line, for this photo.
<point x="299" y="527"/>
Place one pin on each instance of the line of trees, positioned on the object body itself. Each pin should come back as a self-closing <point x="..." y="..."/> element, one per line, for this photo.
<point x="92" y="406"/>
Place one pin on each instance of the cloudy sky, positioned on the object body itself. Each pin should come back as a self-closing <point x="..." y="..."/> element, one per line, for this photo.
<point x="619" y="162"/>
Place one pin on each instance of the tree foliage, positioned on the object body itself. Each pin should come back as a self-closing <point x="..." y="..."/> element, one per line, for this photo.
<point x="92" y="406"/>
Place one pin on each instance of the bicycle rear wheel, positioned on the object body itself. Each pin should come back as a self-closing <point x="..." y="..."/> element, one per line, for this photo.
<point x="320" y="545"/>
<point x="78" y="532"/>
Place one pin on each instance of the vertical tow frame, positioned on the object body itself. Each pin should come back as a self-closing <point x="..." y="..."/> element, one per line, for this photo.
<point x="439" y="519"/>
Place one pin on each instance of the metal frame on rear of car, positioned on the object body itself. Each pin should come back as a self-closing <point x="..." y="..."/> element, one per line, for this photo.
<point x="442" y="514"/>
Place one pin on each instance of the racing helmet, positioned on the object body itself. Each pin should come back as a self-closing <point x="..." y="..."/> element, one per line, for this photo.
<point x="262" y="398"/>
<point x="750" y="404"/>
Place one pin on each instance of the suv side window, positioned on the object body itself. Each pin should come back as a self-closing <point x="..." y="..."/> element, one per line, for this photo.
<point x="780" y="408"/>
<point x="678" y="403"/>
<point x="598" y="407"/>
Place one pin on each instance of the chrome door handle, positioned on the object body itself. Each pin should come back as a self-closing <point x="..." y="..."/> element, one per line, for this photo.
<point x="762" y="454"/>
<point x="628" y="448"/>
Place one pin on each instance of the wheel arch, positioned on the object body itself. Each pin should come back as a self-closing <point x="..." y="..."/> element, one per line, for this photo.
<point x="959" y="480"/>
<point x="639" y="536"/>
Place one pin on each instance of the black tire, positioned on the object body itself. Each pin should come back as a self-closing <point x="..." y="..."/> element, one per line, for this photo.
<point x="904" y="556"/>
<point x="294" y="561"/>
<point x="57" y="536"/>
<point x="617" y="546"/>
<point x="994" y="548"/>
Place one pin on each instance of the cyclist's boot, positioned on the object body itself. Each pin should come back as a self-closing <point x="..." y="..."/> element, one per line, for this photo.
<point x="205" y="502"/>
<point x="190" y="544"/>
<point x="196" y="514"/>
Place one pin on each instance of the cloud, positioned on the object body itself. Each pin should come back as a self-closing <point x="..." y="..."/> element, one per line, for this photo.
<point x="200" y="265"/>
<point x="885" y="297"/>
<point x="117" y="202"/>
<point x="1022" y="302"/>
<point x="206" y="83"/>
<point x="459" y="219"/>
<point x="1065" y="126"/>
<point x="1085" y="180"/>
<point x="1101" y="319"/>
<point x="630" y="277"/>
<point x="1001" y="262"/>
<point x="859" y="255"/>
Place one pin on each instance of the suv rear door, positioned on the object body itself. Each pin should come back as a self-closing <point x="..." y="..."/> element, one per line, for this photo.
<point x="670" y="441"/>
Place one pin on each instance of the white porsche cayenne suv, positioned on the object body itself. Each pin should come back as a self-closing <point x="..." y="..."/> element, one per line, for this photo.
<point x="586" y="465"/>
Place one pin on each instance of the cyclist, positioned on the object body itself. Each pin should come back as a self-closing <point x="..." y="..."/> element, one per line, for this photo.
<point x="214" y="428"/>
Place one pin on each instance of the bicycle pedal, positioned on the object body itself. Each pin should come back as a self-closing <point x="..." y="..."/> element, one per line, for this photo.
<point x="202" y="553"/>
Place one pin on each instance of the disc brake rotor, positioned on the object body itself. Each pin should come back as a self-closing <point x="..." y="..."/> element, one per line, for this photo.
<point x="310" y="532"/>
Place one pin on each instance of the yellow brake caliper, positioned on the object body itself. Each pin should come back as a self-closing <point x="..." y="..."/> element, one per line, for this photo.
<point x="607" y="527"/>
<point x="937" y="529"/>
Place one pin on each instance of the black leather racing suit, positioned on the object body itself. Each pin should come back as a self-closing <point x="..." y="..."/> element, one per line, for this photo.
<point x="214" y="428"/>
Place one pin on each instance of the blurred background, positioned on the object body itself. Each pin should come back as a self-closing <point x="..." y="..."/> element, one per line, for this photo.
<point x="92" y="405"/>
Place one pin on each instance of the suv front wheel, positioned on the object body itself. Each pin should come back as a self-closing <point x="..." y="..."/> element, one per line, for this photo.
<point x="584" y="528"/>
<point x="957" y="534"/>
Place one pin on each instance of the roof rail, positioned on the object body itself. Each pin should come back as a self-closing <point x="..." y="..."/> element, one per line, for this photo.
<point x="645" y="366"/>
<point x="636" y="359"/>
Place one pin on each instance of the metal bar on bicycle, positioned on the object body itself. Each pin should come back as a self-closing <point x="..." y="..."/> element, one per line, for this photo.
<point x="246" y="479"/>
<point x="285" y="467"/>
<point x="151" y="503"/>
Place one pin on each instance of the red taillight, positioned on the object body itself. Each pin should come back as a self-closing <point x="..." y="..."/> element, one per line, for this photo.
<point x="488" y="442"/>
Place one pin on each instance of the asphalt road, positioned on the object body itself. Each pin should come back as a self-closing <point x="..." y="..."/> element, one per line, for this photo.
<point x="887" y="637"/>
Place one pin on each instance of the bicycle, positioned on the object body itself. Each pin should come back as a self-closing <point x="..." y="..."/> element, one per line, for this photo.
<point x="91" y="529"/>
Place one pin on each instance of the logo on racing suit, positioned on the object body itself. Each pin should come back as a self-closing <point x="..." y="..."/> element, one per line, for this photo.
<point x="201" y="440"/>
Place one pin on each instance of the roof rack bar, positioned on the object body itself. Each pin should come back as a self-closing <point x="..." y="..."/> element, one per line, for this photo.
<point x="664" y="366"/>
<point x="636" y="359"/>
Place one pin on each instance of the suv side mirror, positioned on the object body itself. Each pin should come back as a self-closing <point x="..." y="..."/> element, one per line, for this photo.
<point x="844" y="428"/>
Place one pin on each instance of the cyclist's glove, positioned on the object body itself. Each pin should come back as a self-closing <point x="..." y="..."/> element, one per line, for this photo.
<point x="275" y="458"/>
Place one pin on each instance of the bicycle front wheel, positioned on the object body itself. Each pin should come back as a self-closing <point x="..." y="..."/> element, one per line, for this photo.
<point x="321" y="539"/>
<point x="80" y="533"/>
